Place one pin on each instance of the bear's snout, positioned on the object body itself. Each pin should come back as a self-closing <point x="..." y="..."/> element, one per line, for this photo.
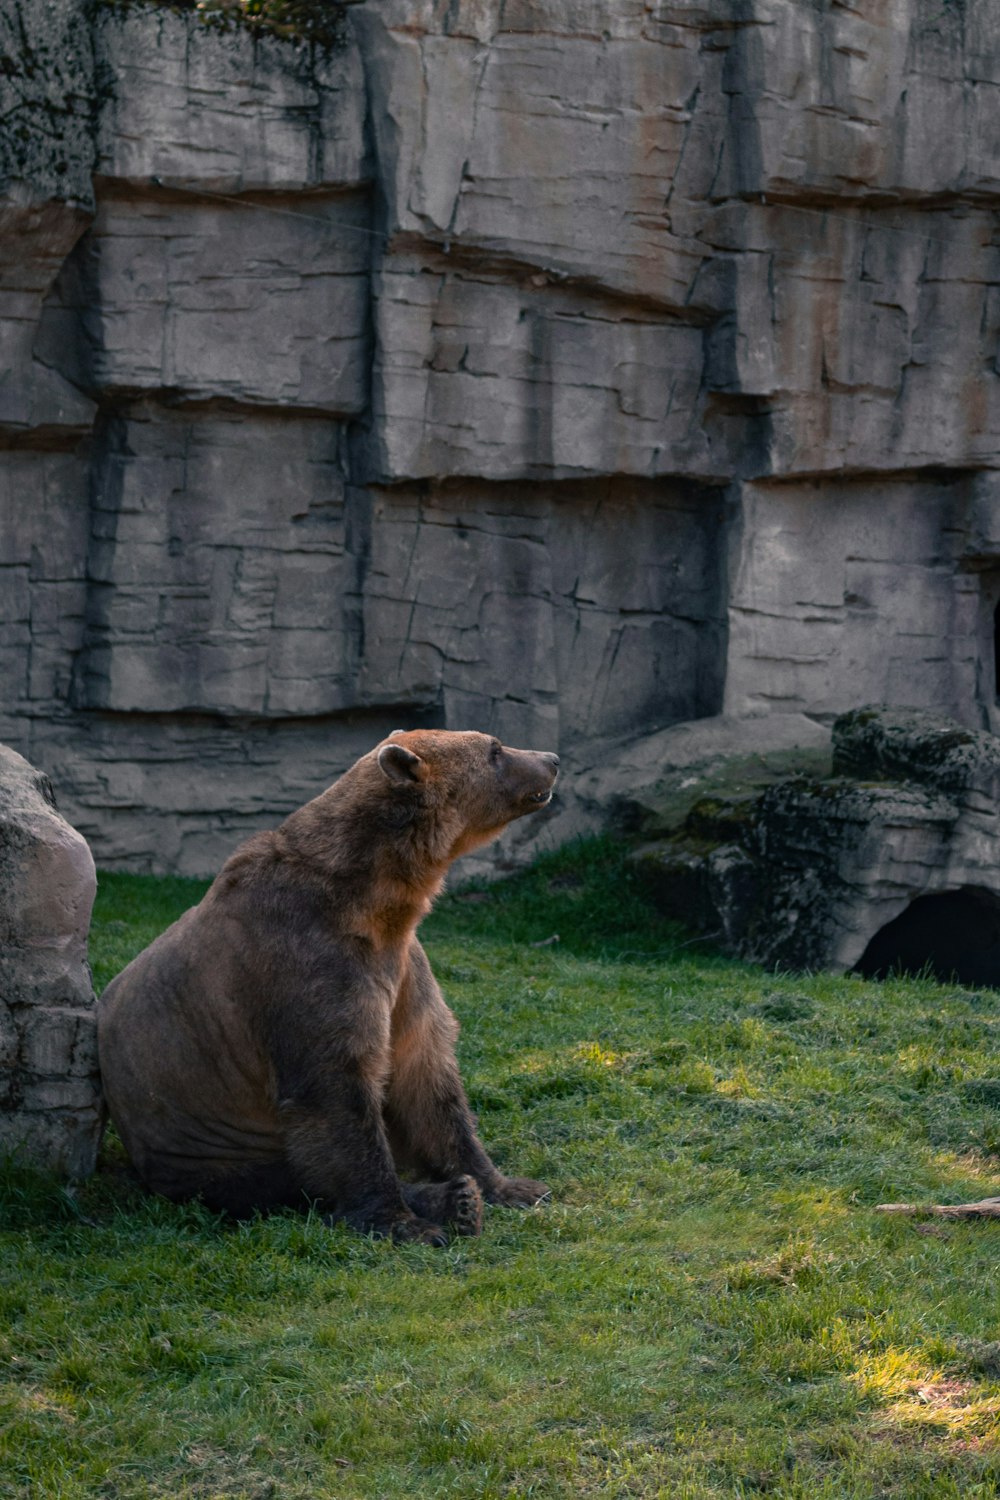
<point x="552" y="761"/>
<point x="538" y="770"/>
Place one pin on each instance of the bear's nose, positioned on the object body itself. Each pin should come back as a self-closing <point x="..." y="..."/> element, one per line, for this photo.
<point x="551" y="757"/>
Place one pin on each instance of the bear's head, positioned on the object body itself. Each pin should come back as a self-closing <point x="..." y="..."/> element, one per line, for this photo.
<point x="468" y="785"/>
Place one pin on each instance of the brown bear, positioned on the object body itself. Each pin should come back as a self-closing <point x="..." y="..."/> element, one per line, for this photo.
<point x="286" y="1039"/>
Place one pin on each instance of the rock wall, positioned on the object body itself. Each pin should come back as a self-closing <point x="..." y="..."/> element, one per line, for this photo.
<point x="566" y="370"/>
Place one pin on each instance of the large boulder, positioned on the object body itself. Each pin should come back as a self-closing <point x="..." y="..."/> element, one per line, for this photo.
<point x="51" y="1109"/>
<point x="893" y="861"/>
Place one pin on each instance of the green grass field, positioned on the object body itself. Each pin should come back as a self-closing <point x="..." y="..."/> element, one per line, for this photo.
<point x="708" y="1307"/>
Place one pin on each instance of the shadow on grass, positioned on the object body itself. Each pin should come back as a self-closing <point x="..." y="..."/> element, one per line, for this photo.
<point x="585" y="898"/>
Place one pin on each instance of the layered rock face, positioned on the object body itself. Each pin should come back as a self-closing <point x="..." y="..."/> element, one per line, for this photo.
<point x="565" y="370"/>
<point x="51" y="1106"/>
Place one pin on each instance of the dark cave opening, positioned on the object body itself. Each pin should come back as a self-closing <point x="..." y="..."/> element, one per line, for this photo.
<point x="954" y="936"/>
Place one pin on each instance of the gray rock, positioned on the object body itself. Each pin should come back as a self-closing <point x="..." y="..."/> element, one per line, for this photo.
<point x="650" y="786"/>
<point x="261" y="309"/>
<point x="228" y="110"/>
<point x="503" y="381"/>
<point x="51" y="1107"/>
<point x="900" y="744"/>
<point x="47" y="96"/>
<point x="220" y="578"/>
<point x="37" y="403"/>
<point x="547" y="134"/>
<point x="836" y="600"/>
<point x="519" y="613"/>
<point x="47" y="93"/>
<point x="810" y="873"/>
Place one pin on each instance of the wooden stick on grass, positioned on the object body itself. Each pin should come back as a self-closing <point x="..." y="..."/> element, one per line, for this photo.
<point x="986" y="1208"/>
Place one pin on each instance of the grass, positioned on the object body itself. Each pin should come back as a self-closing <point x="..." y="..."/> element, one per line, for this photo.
<point x="708" y="1307"/>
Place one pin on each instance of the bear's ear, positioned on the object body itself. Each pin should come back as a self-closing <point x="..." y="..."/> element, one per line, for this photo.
<point x="400" y="765"/>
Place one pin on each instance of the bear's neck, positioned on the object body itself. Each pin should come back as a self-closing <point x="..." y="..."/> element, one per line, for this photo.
<point x="382" y="870"/>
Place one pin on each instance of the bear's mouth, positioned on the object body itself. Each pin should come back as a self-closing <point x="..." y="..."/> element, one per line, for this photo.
<point x="540" y="799"/>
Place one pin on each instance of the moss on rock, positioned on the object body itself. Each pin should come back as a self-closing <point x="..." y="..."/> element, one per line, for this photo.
<point x="319" y="22"/>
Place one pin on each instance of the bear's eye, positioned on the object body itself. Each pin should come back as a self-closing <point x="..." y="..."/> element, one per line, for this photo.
<point x="495" y="749"/>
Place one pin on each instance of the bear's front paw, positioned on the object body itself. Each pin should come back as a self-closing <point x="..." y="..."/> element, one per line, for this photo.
<point x="517" y="1192"/>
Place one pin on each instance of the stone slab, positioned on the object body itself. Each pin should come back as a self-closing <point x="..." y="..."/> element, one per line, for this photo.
<point x="237" y="300"/>
<point x="226" y="110"/>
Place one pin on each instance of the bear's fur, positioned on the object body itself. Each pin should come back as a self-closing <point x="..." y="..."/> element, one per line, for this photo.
<point x="286" y="1039"/>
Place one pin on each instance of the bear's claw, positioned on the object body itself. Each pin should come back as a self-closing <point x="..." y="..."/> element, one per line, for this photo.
<point x="457" y="1202"/>
<point x="419" y="1231"/>
<point x="466" y="1206"/>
